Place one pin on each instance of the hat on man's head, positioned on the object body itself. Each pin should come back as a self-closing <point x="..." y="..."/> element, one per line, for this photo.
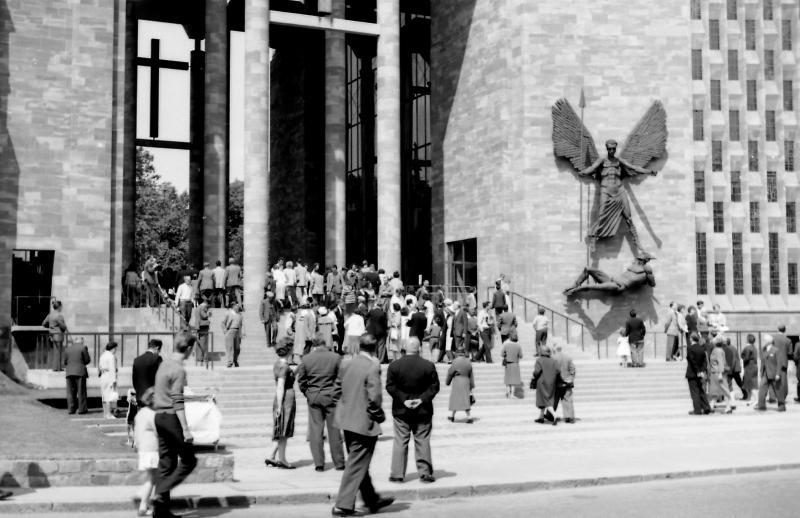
<point x="447" y="302"/>
<point x="322" y="310"/>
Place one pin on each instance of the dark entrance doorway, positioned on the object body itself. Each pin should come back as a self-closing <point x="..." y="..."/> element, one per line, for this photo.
<point x="31" y="285"/>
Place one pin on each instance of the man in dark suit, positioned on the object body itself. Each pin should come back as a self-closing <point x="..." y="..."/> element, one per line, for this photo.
<point x="418" y="322"/>
<point x="358" y="415"/>
<point x="376" y="326"/>
<point x="75" y="361"/>
<point x="635" y="331"/>
<point x="440" y="317"/>
<point x="145" y="366"/>
<point x="696" y="362"/>
<point x="498" y="298"/>
<point x="771" y="375"/>
<point x="316" y="377"/>
<point x="784" y="349"/>
<point x="413" y="383"/>
<point x="460" y="329"/>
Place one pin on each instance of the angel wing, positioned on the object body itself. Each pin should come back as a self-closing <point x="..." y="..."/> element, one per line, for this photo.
<point x="567" y="131"/>
<point x="649" y="139"/>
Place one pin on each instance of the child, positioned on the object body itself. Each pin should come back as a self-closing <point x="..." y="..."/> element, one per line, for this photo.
<point x="147" y="447"/>
<point x="623" y="347"/>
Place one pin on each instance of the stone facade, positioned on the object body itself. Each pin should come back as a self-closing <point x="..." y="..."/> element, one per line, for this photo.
<point x="57" y="101"/>
<point x="497" y="69"/>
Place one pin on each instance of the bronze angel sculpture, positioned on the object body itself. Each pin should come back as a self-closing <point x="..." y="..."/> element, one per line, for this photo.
<point x="571" y="140"/>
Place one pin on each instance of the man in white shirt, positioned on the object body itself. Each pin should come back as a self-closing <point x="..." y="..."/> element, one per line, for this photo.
<point x="540" y="326"/>
<point x="184" y="297"/>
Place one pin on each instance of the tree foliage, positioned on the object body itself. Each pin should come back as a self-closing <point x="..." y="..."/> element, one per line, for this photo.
<point x="235" y="219"/>
<point x="162" y="216"/>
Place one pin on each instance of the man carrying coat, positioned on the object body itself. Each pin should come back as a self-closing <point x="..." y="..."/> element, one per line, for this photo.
<point x="75" y="362"/>
<point x="566" y="383"/>
<point x="413" y="383"/>
<point x="316" y="377"/>
<point x="358" y="415"/>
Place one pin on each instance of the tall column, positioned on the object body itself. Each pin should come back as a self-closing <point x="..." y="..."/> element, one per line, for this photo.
<point x="256" y="152"/>
<point x="196" y="155"/>
<point x="335" y="132"/>
<point x="387" y="135"/>
<point x="215" y="183"/>
<point x="129" y="139"/>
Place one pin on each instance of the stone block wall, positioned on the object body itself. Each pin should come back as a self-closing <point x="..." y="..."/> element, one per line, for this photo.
<point x="56" y="84"/>
<point x="497" y="69"/>
<point x="211" y="467"/>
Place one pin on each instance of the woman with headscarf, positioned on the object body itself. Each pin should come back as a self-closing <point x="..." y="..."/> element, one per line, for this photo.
<point x="107" y="367"/>
<point x="463" y="383"/>
<point x="284" y="406"/>
<point x="544" y="381"/>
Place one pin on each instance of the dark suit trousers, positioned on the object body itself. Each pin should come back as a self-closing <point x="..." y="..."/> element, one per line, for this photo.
<point x="776" y="386"/>
<point x="784" y="388"/>
<point x="356" y="477"/>
<point x="422" y="447"/>
<point x="698" y="395"/>
<point x="76" y="394"/>
<point x="541" y="339"/>
<point x="485" y="351"/>
<point x="320" y="416"/>
<point x="171" y="446"/>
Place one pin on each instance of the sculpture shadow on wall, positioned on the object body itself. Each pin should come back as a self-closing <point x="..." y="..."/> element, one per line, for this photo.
<point x="619" y="307"/>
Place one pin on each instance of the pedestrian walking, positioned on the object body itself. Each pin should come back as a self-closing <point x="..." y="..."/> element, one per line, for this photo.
<point x="233" y="281"/>
<point x="635" y="331"/>
<point x="232" y="329"/>
<point x="413" y="383"/>
<point x="284" y="407"/>
<point x="717" y="383"/>
<point x="75" y="360"/>
<point x="696" y="365"/>
<point x="771" y="374"/>
<point x="268" y="314"/>
<point x="462" y="383"/>
<point x="750" y="368"/>
<point x="540" y="327"/>
<point x="486" y="331"/>
<point x="146" y="441"/>
<point x="56" y="329"/>
<point x="565" y="384"/>
<point x="174" y="438"/>
<point x="544" y="381"/>
<point x="511" y="354"/>
<point x="358" y="415"/>
<point x="623" y="348"/>
<point x="107" y="367"/>
<point x="316" y="377"/>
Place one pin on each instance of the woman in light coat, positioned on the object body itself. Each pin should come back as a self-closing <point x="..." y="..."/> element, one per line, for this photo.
<point x="463" y="383"/>
<point x="107" y="366"/>
<point x="511" y="354"/>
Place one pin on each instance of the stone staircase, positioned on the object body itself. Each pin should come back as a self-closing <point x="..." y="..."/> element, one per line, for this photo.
<point x="603" y="390"/>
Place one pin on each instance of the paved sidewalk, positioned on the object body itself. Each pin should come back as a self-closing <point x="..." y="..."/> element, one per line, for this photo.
<point x="545" y="457"/>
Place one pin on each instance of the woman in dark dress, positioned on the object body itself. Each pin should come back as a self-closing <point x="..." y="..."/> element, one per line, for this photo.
<point x="463" y="383"/>
<point x="283" y="407"/>
<point x="545" y="378"/>
<point x="750" y="367"/>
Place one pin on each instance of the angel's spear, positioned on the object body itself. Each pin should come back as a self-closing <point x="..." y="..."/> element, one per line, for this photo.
<point x="582" y="104"/>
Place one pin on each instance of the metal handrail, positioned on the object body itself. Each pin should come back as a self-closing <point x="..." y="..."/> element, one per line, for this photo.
<point x="512" y="295"/>
<point x="95" y="341"/>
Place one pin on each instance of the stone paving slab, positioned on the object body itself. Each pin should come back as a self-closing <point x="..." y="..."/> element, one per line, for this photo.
<point x="544" y="458"/>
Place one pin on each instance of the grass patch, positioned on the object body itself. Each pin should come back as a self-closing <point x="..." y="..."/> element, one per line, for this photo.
<point x="32" y="430"/>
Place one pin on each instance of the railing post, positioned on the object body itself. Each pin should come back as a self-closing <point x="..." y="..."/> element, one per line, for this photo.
<point x="566" y="325"/>
<point x="525" y="309"/>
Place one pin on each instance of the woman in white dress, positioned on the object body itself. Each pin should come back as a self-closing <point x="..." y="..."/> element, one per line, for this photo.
<point x="107" y="365"/>
<point x="280" y="282"/>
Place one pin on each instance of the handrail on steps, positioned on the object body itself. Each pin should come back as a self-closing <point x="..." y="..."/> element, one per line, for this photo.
<point x="512" y="296"/>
